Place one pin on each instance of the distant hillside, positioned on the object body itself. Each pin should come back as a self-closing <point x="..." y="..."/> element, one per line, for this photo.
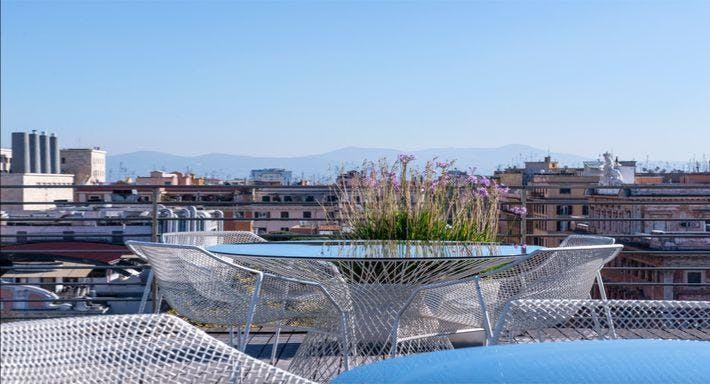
<point x="323" y="166"/>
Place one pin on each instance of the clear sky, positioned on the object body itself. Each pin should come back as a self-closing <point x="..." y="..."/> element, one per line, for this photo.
<point x="301" y="78"/>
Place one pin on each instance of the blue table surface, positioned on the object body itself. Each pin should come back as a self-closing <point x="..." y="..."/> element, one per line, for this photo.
<point x="608" y="361"/>
<point x="360" y="249"/>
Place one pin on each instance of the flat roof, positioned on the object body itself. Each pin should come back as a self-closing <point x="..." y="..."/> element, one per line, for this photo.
<point x="54" y="273"/>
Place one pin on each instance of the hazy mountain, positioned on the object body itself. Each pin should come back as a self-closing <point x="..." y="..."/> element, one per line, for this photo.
<point x="324" y="166"/>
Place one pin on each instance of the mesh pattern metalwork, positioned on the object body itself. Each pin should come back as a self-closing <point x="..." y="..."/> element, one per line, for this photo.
<point x="582" y="240"/>
<point x="371" y="288"/>
<point x="477" y="302"/>
<point x="203" y="238"/>
<point x="207" y="238"/>
<point x="555" y="320"/>
<point x="126" y="349"/>
<point x="211" y="289"/>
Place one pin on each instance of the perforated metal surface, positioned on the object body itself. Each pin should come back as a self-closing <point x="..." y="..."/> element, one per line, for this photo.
<point x="125" y="349"/>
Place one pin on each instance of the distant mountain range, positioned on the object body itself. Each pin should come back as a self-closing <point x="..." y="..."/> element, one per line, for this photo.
<point x="324" y="166"/>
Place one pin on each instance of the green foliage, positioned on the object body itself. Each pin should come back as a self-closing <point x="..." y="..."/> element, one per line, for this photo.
<point x="391" y="202"/>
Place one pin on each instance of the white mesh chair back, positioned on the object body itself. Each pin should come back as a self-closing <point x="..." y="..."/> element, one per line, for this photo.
<point x="203" y="239"/>
<point x="207" y="238"/>
<point x="199" y="285"/>
<point x="525" y="321"/>
<point x="125" y="349"/>
<point x="211" y="289"/>
<point x="584" y="240"/>
<point x="556" y="273"/>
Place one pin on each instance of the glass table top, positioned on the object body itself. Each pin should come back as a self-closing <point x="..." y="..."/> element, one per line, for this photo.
<point x="370" y="249"/>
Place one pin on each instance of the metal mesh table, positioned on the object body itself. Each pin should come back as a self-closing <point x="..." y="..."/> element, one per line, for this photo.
<point x="370" y="281"/>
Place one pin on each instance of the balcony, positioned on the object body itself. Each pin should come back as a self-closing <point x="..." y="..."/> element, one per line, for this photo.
<point x="91" y="273"/>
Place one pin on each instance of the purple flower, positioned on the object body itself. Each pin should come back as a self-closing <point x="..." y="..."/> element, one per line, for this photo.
<point x="485" y="181"/>
<point x="443" y="164"/>
<point x="520" y="211"/>
<point x="405" y="158"/>
<point x="473" y="179"/>
<point x="483" y="192"/>
<point x="503" y="189"/>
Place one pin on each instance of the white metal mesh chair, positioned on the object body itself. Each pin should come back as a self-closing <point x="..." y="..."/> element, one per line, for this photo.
<point x="531" y="320"/>
<point x="211" y="289"/>
<point x="584" y="240"/>
<point x="125" y="349"/>
<point x="202" y="239"/>
<point x="207" y="238"/>
<point x="556" y="273"/>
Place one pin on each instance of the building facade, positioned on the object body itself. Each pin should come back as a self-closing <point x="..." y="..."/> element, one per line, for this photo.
<point x="88" y="165"/>
<point x="5" y="160"/>
<point x="270" y="176"/>
<point x="666" y="236"/>
<point x="36" y="191"/>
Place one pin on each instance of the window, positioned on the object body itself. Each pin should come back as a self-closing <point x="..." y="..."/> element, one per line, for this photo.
<point x="693" y="277"/>
<point x="284" y="215"/>
<point x="310" y="198"/>
<point x="564" y="209"/>
<point x="239" y="214"/>
<point x="288" y="199"/>
<point x="306" y="214"/>
<point x="262" y="215"/>
<point x="95" y="198"/>
<point x="565" y="191"/>
<point x="284" y="229"/>
<point x="585" y="210"/>
<point x="331" y="198"/>
<point x="261" y="230"/>
<point x="265" y="199"/>
<point x="562" y="226"/>
<point x="64" y="160"/>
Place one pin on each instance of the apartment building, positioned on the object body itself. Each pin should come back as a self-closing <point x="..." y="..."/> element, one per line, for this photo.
<point x="88" y="165"/>
<point x="278" y="209"/>
<point x="555" y="197"/>
<point x="662" y="227"/>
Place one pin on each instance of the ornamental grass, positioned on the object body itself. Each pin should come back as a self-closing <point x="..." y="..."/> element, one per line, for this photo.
<point x="395" y="201"/>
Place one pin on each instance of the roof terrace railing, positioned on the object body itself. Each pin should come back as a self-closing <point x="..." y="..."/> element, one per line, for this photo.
<point x="644" y="271"/>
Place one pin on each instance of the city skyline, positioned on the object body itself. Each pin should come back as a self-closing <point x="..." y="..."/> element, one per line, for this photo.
<point x="299" y="79"/>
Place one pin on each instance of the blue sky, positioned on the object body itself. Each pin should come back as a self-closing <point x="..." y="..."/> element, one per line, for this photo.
<point x="301" y="78"/>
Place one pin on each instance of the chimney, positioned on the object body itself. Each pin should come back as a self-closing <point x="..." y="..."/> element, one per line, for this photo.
<point x="35" y="158"/>
<point x="20" y="153"/>
<point x="45" y="165"/>
<point x="54" y="160"/>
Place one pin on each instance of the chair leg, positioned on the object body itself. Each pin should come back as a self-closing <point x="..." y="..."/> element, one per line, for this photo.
<point x="244" y="338"/>
<point x="146" y="292"/>
<point x="158" y="302"/>
<point x="276" y="344"/>
<point x="239" y="338"/>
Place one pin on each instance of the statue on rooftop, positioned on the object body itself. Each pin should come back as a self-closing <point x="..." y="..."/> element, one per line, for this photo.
<point x="611" y="175"/>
